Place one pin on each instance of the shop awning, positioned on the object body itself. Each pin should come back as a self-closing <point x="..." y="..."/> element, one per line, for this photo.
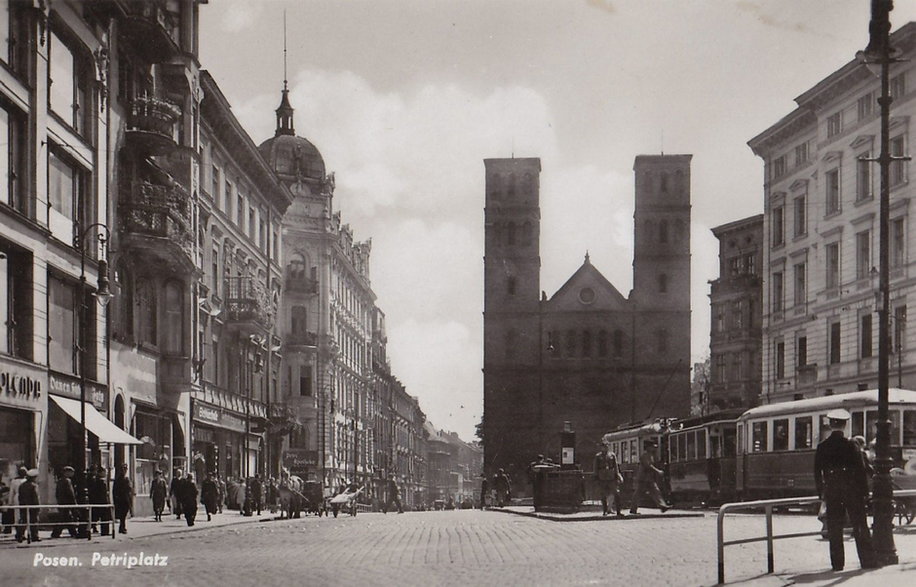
<point x="95" y="422"/>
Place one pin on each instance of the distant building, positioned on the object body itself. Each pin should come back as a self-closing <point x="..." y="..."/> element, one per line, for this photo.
<point x="821" y="234"/>
<point x="587" y="355"/>
<point x="735" y="300"/>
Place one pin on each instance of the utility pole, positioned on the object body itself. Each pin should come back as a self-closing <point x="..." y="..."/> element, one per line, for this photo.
<point x="879" y="52"/>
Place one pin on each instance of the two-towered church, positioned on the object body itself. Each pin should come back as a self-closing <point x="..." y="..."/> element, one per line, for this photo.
<point x="587" y="355"/>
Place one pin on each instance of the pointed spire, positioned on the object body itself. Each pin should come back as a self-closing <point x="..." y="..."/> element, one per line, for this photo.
<point x="587" y="260"/>
<point x="285" y="110"/>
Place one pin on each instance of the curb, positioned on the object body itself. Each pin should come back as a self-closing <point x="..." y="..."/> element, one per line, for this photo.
<point x="593" y="518"/>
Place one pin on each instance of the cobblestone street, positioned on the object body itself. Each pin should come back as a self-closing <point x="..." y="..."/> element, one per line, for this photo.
<point x="454" y="548"/>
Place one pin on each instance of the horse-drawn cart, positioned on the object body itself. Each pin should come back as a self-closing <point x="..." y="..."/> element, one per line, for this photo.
<point x="345" y="501"/>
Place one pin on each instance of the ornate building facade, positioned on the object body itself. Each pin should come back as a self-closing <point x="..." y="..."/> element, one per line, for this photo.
<point x="820" y="255"/>
<point x="586" y="355"/>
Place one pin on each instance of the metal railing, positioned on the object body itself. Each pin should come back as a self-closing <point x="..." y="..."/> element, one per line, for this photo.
<point x="24" y="524"/>
<point x="768" y="505"/>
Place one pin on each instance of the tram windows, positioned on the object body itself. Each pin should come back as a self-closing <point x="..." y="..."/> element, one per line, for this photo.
<point x="909" y="428"/>
<point x="729" y="440"/>
<point x="624" y="453"/>
<point x="634" y="453"/>
<point x="691" y="446"/>
<point x="781" y="434"/>
<point x="804" y="432"/>
<point x="871" y="418"/>
<point x="759" y="437"/>
<point x="825" y="428"/>
<point x="858" y="424"/>
<point x="701" y="444"/>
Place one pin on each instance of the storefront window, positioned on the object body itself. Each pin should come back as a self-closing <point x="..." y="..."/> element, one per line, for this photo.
<point x="15" y="439"/>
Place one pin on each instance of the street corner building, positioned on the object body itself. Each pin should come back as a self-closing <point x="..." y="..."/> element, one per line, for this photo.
<point x="586" y="355"/>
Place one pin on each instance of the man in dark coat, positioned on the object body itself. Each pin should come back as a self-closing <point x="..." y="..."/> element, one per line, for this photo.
<point x="256" y="493"/>
<point x="28" y="495"/>
<point x="123" y="493"/>
<point x="608" y="478"/>
<point x="187" y="494"/>
<point x="647" y="475"/>
<point x="502" y="486"/>
<point x="98" y="494"/>
<point x="158" y="491"/>
<point x="65" y="495"/>
<point x="841" y="480"/>
<point x="175" y="493"/>
<point x="209" y="495"/>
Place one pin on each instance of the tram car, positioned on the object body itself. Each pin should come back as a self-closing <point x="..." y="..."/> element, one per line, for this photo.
<point x="629" y="442"/>
<point x="702" y="454"/>
<point x="776" y="442"/>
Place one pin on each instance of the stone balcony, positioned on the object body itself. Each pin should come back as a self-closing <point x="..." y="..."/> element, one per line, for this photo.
<point x="302" y="338"/>
<point x="248" y="306"/>
<point x="298" y="283"/>
<point x="152" y="125"/>
<point x="156" y="220"/>
<point x="151" y="28"/>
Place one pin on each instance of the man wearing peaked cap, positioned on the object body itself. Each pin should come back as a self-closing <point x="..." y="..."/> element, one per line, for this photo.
<point x="839" y="473"/>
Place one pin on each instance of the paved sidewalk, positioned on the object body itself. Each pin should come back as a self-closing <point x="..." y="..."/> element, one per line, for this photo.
<point x="594" y="514"/>
<point x="147" y="526"/>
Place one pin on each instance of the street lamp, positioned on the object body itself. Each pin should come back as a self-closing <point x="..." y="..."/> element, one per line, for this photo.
<point x="879" y="52"/>
<point x="103" y="295"/>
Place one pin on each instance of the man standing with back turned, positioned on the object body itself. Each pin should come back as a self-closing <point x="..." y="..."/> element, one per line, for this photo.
<point x="839" y="473"/>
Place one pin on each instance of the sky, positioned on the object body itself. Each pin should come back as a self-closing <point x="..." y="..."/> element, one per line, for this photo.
<point x="406" y="98"/>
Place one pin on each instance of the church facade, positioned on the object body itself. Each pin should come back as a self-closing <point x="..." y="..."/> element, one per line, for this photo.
<point x="586" y="355"/>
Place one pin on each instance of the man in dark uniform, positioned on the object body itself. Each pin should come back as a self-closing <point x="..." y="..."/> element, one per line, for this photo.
<point x="65" y="496"/>
<point x="839" y="473"/>
<point x="256" y="488"/>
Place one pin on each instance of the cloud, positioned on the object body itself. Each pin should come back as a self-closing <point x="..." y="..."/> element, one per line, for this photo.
<point x="239" y="15"/>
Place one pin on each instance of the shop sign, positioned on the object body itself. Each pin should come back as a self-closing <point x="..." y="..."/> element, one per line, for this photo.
<point x="19" y="387"/>
<point x="70" y="387"/>
<point x="216" y="416"/>
<point x="299" y="461"/>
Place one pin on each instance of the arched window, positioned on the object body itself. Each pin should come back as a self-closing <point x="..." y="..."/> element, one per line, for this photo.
<point x="618" y="343"/>
<point x="511" y="186"/>
<point x="663" y="231"/>
<point x="146" y="311"/>
<point x="511" y="285"/>
<point x="679" y="181"/>
<point x="648" y="227"/>
<point x="586" y="343"/>
<point x="679" y="230"/>
<point x="602" y="343"/>
<point x="663" y="283"/>
<point x="526" y="233"/>
<point x="174" y="331"/>
<point x="511" y="235"/>
<point x="664" y="183"/>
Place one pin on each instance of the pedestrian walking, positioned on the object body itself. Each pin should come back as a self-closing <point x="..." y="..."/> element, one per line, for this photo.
<point x="394" y="496"/>
<point x="65" y="495"/>
<point x="187" y="491"/>
<point x="158" y="491"/>
<point x="502" y="484"/>
<point x="123" y="494"/>
<point x="13" y="500"/>
<point x="28" y="495"/>
<point x="256" y="490"/>
<point x="97" y="487"/>
<point x="209" y="495"/>
<point x="6" y="520"/>
<point x="607" y="474"/>
<point x="647" y="475"/>
<point x="221" y="487"/>
<point x="174" y="493"/>
<point x="842" y="483"/>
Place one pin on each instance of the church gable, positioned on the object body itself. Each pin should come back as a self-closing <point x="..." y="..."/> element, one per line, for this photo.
<point x="587" y="291"/>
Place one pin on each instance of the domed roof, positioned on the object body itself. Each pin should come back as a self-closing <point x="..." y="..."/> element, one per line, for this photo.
<point x="293" y="157"/>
